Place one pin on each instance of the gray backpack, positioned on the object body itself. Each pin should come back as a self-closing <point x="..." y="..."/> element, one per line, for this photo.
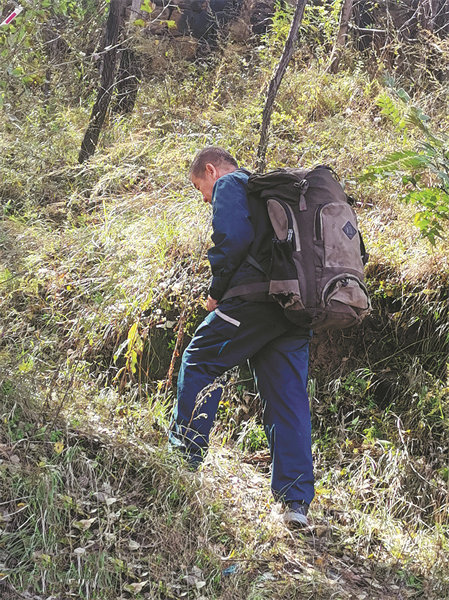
<point x="318" y="255"/>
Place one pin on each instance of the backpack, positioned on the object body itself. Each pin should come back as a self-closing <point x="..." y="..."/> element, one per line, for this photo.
<point x="318" y="255"/>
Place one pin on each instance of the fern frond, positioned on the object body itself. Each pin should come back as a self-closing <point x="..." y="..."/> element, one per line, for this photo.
<point x="390" y="110"/>
<point x="419" y="119"/>
<point x="404" y="160"/>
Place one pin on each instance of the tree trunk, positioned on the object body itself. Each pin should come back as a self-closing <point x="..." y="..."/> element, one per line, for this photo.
<point x="135" y="10"/>
<point x="128" y="80"/>
<point x="346" y="12"/>
<point x="276" y="82"/>
<point x="114" y="28"/>
<point x="129" y="72"/>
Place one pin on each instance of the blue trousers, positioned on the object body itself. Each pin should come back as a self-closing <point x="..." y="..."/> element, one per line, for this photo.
<point x="278" y="354"/>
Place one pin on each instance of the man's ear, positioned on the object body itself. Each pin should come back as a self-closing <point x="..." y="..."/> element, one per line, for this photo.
<point x="211" y="170"/>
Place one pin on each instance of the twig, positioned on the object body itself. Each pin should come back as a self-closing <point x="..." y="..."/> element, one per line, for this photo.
<point x="61" y="404"/>
<point x="276" y="82"/>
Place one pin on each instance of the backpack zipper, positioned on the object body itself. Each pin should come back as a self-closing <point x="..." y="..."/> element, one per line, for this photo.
<point x="344" y="278"/>
<point x="291" y="231"/>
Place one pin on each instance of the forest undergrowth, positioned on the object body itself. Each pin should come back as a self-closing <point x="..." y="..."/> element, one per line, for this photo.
<point x="103" y="277"/>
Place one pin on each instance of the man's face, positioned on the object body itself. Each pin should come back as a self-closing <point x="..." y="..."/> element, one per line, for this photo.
<point x="205" y="186"/>
<point x="205" y="183"/>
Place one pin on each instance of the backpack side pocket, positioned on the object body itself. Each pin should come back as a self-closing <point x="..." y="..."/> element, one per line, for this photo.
<point x="284" y="284"/>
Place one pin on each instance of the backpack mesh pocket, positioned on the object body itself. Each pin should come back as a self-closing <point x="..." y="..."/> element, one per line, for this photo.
<point x="283" y="222"/>
<point x="284" y="285"/>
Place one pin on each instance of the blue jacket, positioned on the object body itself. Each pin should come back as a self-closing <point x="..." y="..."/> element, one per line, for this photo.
<point x="233" y="235"/>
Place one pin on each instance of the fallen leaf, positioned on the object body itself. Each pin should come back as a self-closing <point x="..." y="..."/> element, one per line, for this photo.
<point x="84" y="524"/>
<point x="132" y="545"/>
<point x="135" y="588"/>
<point x="197" y="572"/>
<point x="320" y="530"/>
<point x="58" y="447"/>
<point x="101" y="496"/>
<point x="349" y="575"/>
<point x="41" y="557"/>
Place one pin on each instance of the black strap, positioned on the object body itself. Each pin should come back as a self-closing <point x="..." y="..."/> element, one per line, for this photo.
<point x="247" y="288"/>
<point x="253" y="262"/>
<point x="365" y="256"/>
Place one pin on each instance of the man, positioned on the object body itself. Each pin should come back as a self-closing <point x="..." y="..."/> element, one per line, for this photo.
<point x="244" y="324"/>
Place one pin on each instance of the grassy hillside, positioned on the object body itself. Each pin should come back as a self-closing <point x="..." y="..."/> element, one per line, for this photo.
<point x="103" y="276"/>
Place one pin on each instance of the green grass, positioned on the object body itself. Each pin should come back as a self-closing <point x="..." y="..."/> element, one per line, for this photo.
<point x="94" y="514"/>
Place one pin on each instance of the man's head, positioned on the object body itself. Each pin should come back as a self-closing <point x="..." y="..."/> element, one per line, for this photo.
<point x="210" y="164"/>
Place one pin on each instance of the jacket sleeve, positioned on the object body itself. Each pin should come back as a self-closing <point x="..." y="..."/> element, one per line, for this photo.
<point x="232" y="234"/>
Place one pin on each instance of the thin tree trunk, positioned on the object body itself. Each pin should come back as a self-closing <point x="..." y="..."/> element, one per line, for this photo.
<point x="346" y="12"/>
<point x="114" y="28"/>
<point x="129" y="72"/>
<point x="276" y="82"/>
<point x="135" y="11"/>
<point x="128" y="79"/>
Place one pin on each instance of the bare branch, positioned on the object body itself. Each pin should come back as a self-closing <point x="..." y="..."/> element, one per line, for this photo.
<point x="276" y="82"/>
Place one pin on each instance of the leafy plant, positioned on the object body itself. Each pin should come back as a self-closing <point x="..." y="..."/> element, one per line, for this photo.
<point x="320" y="24"/>
<point x="36" y="46"/>
<point x="424" y="171"/>
<point x="317" y="32"/>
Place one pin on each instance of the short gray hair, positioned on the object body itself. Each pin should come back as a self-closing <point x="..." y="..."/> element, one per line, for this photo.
<point x="211" y="154"/>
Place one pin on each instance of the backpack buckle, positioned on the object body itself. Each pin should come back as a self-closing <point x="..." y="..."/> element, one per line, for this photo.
<point x="302" y="186"/>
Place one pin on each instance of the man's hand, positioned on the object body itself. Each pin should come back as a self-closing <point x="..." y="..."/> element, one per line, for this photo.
<point x="211" y="304"/>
